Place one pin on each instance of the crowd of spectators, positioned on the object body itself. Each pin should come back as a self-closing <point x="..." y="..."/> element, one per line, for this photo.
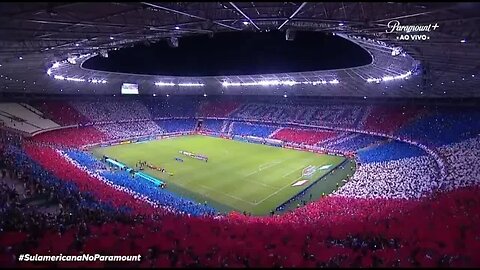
<point x="349" y="116"/>
<point x="443" y="126"/>
<point x="217" y="108"/>
<point x="389" y="118"/>
<point x="177" y="125"/>
<point x="112" y="110"/>
<point x="380" y="217"/>
<point x="249" y="129"/>
<point x="463" y="163"/>
<point x="72" y="137"/>
<point x="125" y="130"/>
<point x="392" y="150"/>
<point x="304" y="136"/>
<point x="52" y="161"/>
<point x="172" y="107"/>
<point x="355" y="143"/>
<point x="213" y="125"/>
<point x="406" y="178"/>
<point x="60" y="112"/>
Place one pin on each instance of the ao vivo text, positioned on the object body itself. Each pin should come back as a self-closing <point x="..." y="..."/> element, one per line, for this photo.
<point x="413" y="37"/>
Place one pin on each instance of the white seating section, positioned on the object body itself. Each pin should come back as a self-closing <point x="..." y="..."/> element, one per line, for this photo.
<point x="23" y="118"/>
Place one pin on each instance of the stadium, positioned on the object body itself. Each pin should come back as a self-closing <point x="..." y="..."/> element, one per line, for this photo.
<point x="239" y="134"/>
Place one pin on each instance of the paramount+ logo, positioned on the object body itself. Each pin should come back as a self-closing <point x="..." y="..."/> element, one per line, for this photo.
<point x="415" y="32"/>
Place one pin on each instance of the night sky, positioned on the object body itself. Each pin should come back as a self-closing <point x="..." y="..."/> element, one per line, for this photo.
<point x="235" y="53"/>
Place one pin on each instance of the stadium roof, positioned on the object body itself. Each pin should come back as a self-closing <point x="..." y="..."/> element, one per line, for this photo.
<point x="36" y="36"/>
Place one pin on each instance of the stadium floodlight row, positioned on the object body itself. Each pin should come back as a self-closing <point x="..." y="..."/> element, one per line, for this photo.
<point x="354" y="81"/>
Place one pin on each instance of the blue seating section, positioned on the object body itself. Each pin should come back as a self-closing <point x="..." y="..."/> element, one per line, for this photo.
<point x="444" y="127"/>
<point x="356" y="143"/>
<point x="247" y="129"/>
<point x="389" y="151"/>
<point x="178" y="125"/>
<point x="162" y="196"/>
<point x="213" y="125"/>
<point x="85" y="159"/>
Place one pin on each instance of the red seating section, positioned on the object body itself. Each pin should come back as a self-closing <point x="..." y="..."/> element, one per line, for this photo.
<point x="389" y="118"/>
<point x="60" y="112"/>
<point x="217" y="108"/>
<point x="434" y="232"/>
<point x="72" y="137"/>
<point x="308" y="137"/>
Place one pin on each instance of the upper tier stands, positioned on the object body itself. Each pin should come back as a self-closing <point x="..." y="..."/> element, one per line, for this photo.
<point x="444" y="126"/>
<point x="217" y="108"/>
<point x="172" y="107"/>
<point x="348" y="116"/>
<point x="61" y="112"/>
<point x="106" y="110"/>
<point x="24" y="118"/>
<point x="389" y="118"/>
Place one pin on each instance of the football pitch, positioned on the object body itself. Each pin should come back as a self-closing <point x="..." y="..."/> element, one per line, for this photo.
<point x="238" y="176"/>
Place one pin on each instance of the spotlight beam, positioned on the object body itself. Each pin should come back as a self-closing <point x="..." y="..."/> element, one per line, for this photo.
<point x="244" y="15"/>
<point x="189" y="15"/>
<point x="293" y="15"/>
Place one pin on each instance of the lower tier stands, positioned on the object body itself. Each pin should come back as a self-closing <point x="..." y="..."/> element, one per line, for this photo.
<point x="406" y="178"/>
<point x="463" y="164"/>
<point x="38" y="180"/>
<point x="72" y="137"/>
<point x="248" y="129"/>
<point x="389" y="151"/>
<point x="177" y="125"/>
<point x="301" y="136"/>
<point x="355" y="142"/>
<point x="53" y="162"/>
<point x="213" y="125"/>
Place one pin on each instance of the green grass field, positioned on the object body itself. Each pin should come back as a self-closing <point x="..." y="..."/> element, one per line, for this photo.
<point x="238" y="175"/>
